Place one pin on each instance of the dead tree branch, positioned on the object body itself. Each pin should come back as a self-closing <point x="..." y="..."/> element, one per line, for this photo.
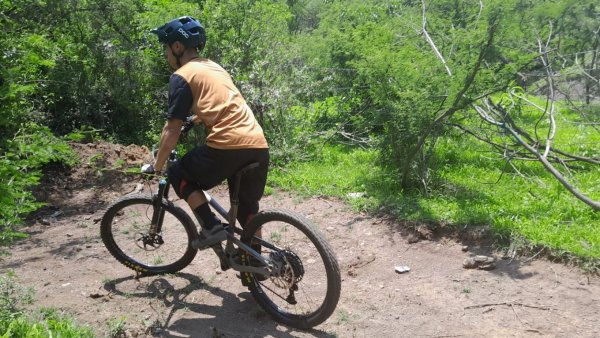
<point x="430" y="41"/>
<point x="511" y="152"/>
<point x="492" y="110"/>
<point x="550" y="97"/>
<point x="583" y="70"/>
<point x="507" y="304"/>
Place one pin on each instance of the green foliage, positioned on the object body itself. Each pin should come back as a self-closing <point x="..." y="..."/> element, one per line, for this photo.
<point x="473" y="190"/>
<point x="83" y="135"/>
<point x="301" y="132"/>
<point x="116" y="327"/>
<point x="13" y="297"/>
<point x="20" y="169"/>
<point x="317" y="74"/>
<point x="334" y="171"/>
<point x="16" y="322"/>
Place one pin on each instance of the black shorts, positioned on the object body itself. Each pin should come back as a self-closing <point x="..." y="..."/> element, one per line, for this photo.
<point x="204" y="168"/>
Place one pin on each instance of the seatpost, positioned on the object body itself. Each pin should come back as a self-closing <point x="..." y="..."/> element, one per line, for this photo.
<point x="235" y="200"/>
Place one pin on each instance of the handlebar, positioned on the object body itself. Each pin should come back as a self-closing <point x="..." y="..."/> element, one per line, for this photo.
<point x="187" y="125"/>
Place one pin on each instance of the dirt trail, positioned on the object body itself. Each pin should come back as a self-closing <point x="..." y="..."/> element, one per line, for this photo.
<point x="67" y="264"/>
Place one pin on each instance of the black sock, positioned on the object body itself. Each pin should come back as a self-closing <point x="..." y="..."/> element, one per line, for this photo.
<point x="206" y="217"/>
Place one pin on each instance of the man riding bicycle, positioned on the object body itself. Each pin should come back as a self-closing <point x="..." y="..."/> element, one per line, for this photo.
<point x="203" y="88"/>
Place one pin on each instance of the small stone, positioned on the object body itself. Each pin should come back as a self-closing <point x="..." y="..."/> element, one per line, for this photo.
<point x="402" y="269"/>
<point x="479" y="262"/>
<point x="465" y="248"/>
<point x="355" y="195"/>
<point x="487" y="267"/>
<point x="56" y="214"/>
<point x="412" y="238"/>
<point x="483" y="259"/>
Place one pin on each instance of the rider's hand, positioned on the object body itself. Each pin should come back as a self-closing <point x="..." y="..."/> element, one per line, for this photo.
<point x="148" y="169"/>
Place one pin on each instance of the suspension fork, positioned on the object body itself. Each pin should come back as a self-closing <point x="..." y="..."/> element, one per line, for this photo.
<point x="158" y="213"/>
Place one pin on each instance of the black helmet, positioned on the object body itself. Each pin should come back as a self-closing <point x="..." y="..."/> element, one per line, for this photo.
<point x="186" y="30"/>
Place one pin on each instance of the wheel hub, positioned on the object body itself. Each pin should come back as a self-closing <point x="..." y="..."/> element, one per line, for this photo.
<point x="149" y="242"/>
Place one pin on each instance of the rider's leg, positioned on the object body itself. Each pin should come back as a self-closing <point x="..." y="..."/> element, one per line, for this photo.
<point x="251" y="190"/>
<point x="212" y="230"/>
<point x="198" y="203"/>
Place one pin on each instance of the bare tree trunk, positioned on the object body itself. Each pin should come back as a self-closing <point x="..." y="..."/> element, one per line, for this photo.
<point x="459" y="103"/>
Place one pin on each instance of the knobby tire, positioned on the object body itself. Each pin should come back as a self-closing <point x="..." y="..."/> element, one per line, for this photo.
<point x="293" y="315"/>
<point x="116" y="223"/>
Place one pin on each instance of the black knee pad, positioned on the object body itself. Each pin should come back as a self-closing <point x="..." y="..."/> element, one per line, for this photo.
<point x="183" y="188"/>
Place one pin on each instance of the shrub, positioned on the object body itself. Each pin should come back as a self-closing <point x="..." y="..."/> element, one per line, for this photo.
<point x="21" y="162"/>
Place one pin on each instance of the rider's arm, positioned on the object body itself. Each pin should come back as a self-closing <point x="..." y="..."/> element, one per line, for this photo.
<point x="168" y="142"/>
<point x="180" y="104"/>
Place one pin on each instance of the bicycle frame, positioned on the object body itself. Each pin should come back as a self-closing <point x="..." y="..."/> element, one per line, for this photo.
<point x="226" y="256"/>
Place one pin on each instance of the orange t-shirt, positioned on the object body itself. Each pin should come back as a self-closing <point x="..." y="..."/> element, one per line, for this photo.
<point x="207" y="90"/>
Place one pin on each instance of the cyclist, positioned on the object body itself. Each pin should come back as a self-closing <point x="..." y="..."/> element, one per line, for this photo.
<point x="202" y="88"/>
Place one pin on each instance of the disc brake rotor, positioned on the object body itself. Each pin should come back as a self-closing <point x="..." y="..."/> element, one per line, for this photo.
<point x="290" y="271"/>
<point x="148" y="242"/>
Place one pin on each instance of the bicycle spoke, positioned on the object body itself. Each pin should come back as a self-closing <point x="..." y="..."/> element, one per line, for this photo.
<point x="131" y="234"/>
<point x="312" y="287"/>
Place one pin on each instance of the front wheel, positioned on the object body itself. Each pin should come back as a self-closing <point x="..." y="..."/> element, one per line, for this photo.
<point x="126" y="233"/>
<point x="305" y="289"/>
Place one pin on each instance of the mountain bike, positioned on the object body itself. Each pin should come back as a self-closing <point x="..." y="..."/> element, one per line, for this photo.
<point x="284" y="260"/>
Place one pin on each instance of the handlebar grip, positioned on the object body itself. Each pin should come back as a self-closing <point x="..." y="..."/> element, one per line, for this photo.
<point x="187" y="125"/>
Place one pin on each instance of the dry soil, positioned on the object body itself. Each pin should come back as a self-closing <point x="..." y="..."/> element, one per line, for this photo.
<point x="65" y="261"/>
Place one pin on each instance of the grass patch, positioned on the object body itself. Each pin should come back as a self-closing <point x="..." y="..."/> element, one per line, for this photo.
<point x="47" y="322"/>
<point x="472" y="189"/>
<point x="335" y="172"/>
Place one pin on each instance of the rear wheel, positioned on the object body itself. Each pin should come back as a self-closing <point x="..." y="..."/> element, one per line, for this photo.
<point x="306" y="288"/>
<point x="125" y="231"/>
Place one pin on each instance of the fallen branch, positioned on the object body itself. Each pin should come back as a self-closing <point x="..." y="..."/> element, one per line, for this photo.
<point x="511" y="304"/>
<point x="499" y="111"/>
<point x="517" y="155"/>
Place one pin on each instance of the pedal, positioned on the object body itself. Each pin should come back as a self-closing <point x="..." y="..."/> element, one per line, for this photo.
<point x="246" y="279"/>
<point x="218" y="249"/>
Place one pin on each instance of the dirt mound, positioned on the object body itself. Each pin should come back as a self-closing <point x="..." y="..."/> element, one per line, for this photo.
<point x="105" y="170"/>
<point x="393" y="284"/>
